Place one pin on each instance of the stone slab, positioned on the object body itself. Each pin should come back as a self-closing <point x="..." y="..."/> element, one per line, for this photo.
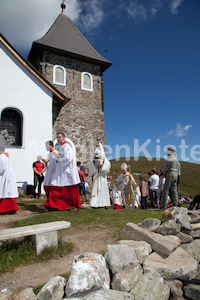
<point x="163" y="245"/>
<point x="16" y="232"/>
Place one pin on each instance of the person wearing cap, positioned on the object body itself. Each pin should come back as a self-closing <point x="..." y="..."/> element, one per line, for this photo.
<point x="8" y="186"/>
<point x="99" y="167"/>
<point x="171" y="172"/>
<point x="38" y="169"/>
<point x="81" y="185"/>
<point x="128" y="185"/>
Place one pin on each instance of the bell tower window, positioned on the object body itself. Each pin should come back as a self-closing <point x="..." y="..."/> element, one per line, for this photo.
<point x="59" y="75"/>
<point x="86" y="82"/>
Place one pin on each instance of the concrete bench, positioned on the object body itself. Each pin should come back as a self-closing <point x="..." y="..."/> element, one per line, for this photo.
<point x="44" y="235"/>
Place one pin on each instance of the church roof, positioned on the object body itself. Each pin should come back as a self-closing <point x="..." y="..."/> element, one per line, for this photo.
<point x="65" y="36"/>
<point x="59" y="97"/>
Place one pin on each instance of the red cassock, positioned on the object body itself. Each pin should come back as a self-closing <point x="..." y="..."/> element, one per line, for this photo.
<point x="63" y="197"/>
<point x="8" y="205"/>
<point x="8" y="186"/>
<point x="62" y="191"/>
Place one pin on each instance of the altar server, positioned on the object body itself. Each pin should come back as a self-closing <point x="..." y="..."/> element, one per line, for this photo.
<point x="8" y="186"/>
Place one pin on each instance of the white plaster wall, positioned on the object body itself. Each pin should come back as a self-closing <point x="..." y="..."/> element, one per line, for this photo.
<point x="20" y="89"/>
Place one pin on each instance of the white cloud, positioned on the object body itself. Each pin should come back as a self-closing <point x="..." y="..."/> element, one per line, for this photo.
<point x="144" y="10"/>
<point x="155" y="6"/>
<point x="23" y="21"/>
<point x="137" y="11"/>
<point x="93" y="16"/>
<point x="179" y="131"/>
<point x="174" y="6"/>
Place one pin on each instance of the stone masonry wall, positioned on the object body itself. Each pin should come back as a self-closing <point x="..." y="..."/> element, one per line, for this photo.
<point x="82" y="118"/>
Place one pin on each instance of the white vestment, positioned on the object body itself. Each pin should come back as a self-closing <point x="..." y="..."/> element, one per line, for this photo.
<point x="116" y="196"/>
<point x="8" y="186"/>
<point x="100" y="194"/>
<point x="66" y="173"/>
<point x="50" y="168"/>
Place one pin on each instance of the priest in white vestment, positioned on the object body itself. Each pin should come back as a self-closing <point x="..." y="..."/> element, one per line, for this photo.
<point x="64" y="191"/>
<point x="99" y="167"/>
<point x="128" y="186"/>
<point x="8" y="186"/>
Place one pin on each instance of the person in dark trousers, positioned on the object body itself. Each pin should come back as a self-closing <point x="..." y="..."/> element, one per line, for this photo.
<point x="144" y="190"/>
<point x="38" y="169"/>
<point x="81" y="185"/>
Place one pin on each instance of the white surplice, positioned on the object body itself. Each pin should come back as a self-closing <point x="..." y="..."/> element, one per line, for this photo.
<point x="66" y="173"/>
<point x="100" y="194"/>
<point x="8" y="185"/>
<point x="50" y="168"/>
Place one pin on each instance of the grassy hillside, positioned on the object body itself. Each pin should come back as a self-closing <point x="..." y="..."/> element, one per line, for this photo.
<point x="189" y="179"/>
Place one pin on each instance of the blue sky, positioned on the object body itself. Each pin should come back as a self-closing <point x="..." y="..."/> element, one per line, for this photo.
<point x="152" y="90"/>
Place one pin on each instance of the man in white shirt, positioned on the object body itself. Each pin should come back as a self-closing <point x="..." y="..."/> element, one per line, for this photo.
<point x="153" y="187"/>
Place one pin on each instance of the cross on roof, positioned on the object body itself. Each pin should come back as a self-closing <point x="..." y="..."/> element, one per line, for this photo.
<point x="63" y="6"/>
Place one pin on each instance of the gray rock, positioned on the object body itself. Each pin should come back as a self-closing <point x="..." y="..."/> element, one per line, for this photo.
<point x="195" y="226"/>
<point x="169" y="227"/>
<point x="151" y="287"/>
<point x="195" y="220"/>
<point x="176" y="289"/>
<point x="192" y="291"/>
<point x="176" y="213"/>
<point x="53" y="289"/>
<point x="178" y="265"/>
<point x="26" y="294"/>
<point x="193" y="214"/>
<point x="195" y="234"/>
<point x="105" y="295"/>
<point x="184" y="238"/>
<point x="120" y="257"/>
<point x="175" y="238"/>
<point x="6" y="294"/>
<point x="150" y="224"/>
<point x="163" y="245"/>
<point x="127" y="279"/>
<point x="185" y="226"/>
<point x="193" y="249"/>
<point x="89" y="271"/>
<point x="142" y="249"/>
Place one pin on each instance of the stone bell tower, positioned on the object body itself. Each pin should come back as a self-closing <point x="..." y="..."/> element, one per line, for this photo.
<point x="69" y="62"/>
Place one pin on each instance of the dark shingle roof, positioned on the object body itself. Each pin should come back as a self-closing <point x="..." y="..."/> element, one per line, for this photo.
<point x="65" y="36"/>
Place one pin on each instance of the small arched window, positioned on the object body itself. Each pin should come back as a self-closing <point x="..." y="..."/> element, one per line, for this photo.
<point x="59" y="75"/>
<point x="86" y="81"/>
<point x="11" y="126"/>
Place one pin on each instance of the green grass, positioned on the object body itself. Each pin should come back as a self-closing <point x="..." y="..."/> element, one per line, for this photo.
<point x="23" y="252"/>
<point x="95" y="218"/>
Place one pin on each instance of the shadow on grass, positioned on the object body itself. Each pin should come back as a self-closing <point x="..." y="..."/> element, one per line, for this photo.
<point x="22" y="252"/>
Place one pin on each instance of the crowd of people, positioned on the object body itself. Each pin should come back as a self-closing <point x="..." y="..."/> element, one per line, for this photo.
<point x="64" y="181"/>
<point x="160" y="189"/>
